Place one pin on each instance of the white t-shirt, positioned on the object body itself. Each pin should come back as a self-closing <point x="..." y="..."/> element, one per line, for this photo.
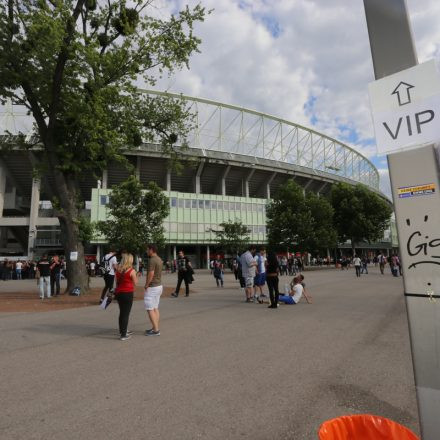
<point x="298" y="289"/>
<point x="112" y="262"/>
<point x="357" y="261"/>
<point x="18" y="265"/>
<point x="262" y="265"/>
<point x="92" y="266"/>
<point x="248" y="270"/>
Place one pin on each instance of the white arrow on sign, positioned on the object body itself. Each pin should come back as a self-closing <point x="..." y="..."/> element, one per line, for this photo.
<point x="402" y="92"/>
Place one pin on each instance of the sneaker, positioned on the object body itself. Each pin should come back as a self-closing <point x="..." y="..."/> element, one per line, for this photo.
<point x="124" y="338"/>
<point x="151" y="332"/>
<point x="174" y="295"/>
<point x="248" y="300"/>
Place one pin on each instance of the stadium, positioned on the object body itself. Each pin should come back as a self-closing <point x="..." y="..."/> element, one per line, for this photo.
<point x="234" y="160"/>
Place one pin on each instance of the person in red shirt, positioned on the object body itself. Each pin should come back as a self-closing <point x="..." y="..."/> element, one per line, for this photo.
<point x="125" y="284"/>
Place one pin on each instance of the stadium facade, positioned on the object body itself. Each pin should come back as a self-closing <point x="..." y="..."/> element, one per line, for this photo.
<point x="234" y="160"/>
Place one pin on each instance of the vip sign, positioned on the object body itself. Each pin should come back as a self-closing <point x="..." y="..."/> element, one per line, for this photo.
<point x="406" y="108"/>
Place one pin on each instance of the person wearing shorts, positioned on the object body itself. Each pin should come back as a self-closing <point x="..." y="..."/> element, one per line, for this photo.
<point x="153" y="289"/>
<point x="248" y="268"/>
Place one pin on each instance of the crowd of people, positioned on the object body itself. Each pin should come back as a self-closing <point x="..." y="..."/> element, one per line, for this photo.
<point x="360" y="264"/>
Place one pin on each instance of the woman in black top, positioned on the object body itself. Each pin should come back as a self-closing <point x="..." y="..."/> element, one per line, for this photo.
<point x="272" y="271"/>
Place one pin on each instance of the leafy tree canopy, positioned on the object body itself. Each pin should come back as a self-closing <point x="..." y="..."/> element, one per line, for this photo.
<point x="135" y="216"/>
<point x="233" y="236"/>
<point x="360" y="214"/>
<point x="298" y="222"/>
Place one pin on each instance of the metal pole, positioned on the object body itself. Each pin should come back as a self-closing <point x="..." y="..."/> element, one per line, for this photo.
<point x="392" y="50"/>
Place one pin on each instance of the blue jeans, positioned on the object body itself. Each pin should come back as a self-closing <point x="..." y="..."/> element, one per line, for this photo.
<point x="286" y="299"/>
<point x="18" y="272"/>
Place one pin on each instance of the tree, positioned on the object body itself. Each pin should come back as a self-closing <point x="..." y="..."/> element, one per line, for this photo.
<point x="323" y="235"/>
<point x="360" y="214"/>
<point x="298" y="221"/>
<point x="233" y="237"/>
<point x="135" y="216"/>
<point x="74" y="65"/>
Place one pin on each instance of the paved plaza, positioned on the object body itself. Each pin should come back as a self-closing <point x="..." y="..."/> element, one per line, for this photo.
<point x="221" y="369"/>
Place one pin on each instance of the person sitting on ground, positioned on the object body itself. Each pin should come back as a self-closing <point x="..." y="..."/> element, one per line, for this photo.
<point x="295" y="294"/>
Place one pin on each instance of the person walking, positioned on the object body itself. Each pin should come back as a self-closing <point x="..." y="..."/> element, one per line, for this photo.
<point x="272" y="279"/>
<point x="44" y="271"/>
<point x="364" y="265"/>
<point x="125" y="284"/>
<point x="153" y="289"/>
<point x="382" y="261"/>
<point x="218" y="272"/>
<point x="260" y="277"/>
<point x="248" y="269"/>
<point x="184" y="273"/>
<point x="109" y="263"/>
<point x="357" y="265"/>
<point x="55" y="274"/>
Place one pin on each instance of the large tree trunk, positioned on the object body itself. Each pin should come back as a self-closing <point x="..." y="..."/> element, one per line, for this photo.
<point x="69" y="216"/>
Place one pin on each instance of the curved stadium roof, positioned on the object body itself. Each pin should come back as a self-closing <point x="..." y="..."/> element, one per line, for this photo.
<point x="239" y="131"/>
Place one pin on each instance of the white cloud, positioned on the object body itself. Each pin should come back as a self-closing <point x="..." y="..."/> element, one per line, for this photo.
<point x="307" y="61"/>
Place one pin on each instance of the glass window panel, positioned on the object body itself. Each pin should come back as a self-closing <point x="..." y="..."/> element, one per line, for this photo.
<point x="201" y="204"/>
<point x="104" y="201"/>
<point x="262" y="229"/>
<point x="194" y="204"/>
<point x="173" y="202"/>
<point x="181" y="203"/>
<point x="187" y="203"/>
<point x="194" y="227"/>
<point x="187" y="228"/>
<point x="201" y="227"/>
<point x="213" y="204"/>
<point x="238" y="206"/>
<point x="254" y="207"/>
<point x="260" y="208"/>
<point x="220" y="206"/>
<point x="173" y="227"/>
<point x="207" y="204"/>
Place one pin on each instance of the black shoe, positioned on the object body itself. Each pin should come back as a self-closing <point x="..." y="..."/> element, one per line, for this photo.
<point x="174" y="295"/>
<point x="187" y="294"/>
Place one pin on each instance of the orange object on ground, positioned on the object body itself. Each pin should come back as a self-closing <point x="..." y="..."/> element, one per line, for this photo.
<point x="364" y="427"/>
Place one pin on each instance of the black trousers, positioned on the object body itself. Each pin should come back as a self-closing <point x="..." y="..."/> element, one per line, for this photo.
<point x="109" y="282"/>
<point x="272" y="284"/>
<point x="358" y="270"/>
<point x="182" y="276"/>
<point x="55" y="282"/>
<point x="125" y="301"/>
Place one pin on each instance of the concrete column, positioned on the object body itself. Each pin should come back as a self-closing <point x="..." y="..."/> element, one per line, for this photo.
<point x="246" y="182"/>
<point x="2" y="189"/>
<point x="197" y="187"/>
<point x="267" y="188"/>
<point x="223" y="180"/>
<point x="168" y="180"/>
<point x="208" y="256"/>
<point x="104" y="181"/>
<point x="321" y="188"/>
<point x="98" y="253"/>
<point x="174" y="252"/>
<point x="138" y="167"/>
<point x="306" y="186"/>
<point x="33" y="216"/>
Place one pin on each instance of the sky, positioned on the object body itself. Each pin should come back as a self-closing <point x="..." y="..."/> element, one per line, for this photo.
<point x="307" y="61"/>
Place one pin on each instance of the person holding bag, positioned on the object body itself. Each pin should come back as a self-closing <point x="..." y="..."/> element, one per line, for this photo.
<point x="125" y="284"/>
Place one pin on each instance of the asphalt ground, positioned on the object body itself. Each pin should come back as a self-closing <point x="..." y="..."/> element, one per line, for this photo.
<point x="221" y="369"/>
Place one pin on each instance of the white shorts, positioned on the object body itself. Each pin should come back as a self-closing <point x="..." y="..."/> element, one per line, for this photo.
<point x="152" y="297"/>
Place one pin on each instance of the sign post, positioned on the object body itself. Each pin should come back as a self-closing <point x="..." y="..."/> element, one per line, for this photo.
<point x="406" y="110"/>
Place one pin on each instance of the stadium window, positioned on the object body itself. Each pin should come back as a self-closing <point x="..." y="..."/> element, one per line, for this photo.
<point x="194" y="204"/>
<point x="254" y="207"/>
<point x="260" y="208"/>
<point x="173" y="227"/>
<point x="201" y="204"/>
<point x="187" y="203"/>
<point x="214" y="204"/>
<point x="194" y="228"/>
<point x="237" y="206"/>
<point x="187" y="228"/>
<point x="262" y="229"/>
<point x="207" y="204"/>
<point x="201" y="227"/>
<point x="181" y="203"/>
<point x="173" y="202"/>
<point x="220" y="206"/>
<point x="103" y="201"/>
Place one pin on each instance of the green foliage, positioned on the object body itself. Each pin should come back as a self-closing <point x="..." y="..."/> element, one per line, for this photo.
<point x="298" y="222"/>
<point x="136" y="216"/>
<point x="74" y="65"/>
<point x="233" y="236"/>
<point x="360" y="214"/>
<point x="86" y="229"/>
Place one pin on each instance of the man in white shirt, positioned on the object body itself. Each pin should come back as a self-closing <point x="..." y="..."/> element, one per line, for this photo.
<point x="260" y="277"/>
<point x="295" y="294"/>
<point x="248" y="269"/>
<point x="110" y="262"/>
<point x="18" y="268"/>
<point x="357" y="265"/>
